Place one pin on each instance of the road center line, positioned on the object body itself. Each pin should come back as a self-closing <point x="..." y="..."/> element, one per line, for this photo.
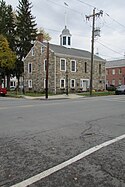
<point x="66" y="163"/>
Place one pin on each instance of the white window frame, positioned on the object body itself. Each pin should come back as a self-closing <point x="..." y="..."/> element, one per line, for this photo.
<point x="12" y="83"/>
<point x="69" y="40"/>
<point x="45" y="61"/>
<point x="30" y="83"/>
<point x="64" y="62"/>
<point x="113" y="82"/>
<point x="120" y="71"/>
<point x="71" y="65"/>
<point x="113" y="71"/>
<point x="42" y="49"/>
<point x="120" y="81"/>
<point x="64" y="83"/>
<point x="71" y="83"/>
<point x="32" y="51"/>
<point x="63" y="40"/>
<point x="29" y="68"/>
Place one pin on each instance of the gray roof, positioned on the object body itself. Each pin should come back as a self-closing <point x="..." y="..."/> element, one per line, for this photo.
<point x="115" y="63"/>
<point x="61" y="50"/>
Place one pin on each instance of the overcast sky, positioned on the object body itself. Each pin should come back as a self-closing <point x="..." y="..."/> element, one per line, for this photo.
<point x="50" y="15"/>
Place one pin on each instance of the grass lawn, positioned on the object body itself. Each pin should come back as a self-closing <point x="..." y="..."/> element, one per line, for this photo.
<point x="105" y="93"/>
<point x="20" y="94"/>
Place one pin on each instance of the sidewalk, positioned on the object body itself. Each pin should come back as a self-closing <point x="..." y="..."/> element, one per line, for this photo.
<point x="55" y="97"/>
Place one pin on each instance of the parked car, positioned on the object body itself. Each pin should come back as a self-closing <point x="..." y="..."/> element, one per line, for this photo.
<point x="110" y="87"/>
<point x="3" y="91"/>
<point x="120" y="90"/>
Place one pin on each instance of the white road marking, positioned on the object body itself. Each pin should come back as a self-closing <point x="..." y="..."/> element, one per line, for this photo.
<point x="19" y="106"/>
<point x="66" y="163"/>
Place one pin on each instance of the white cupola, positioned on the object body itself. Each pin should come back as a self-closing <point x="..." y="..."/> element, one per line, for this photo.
<point x="65" y="38"/>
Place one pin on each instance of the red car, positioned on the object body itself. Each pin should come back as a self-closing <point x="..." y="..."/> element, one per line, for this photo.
<point x="3" y="91"/>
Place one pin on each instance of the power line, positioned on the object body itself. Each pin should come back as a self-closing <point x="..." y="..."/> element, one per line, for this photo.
<point x="104" y="45"/>
<point x="105" y="13"/>
<point x="115" y="20"/>
<point x="109" y="48"/>
<point x="116" y="49"/>
<point x="65" y="6"/>
<point x="86" y="4"/>
<point x="55" y="3"/>
<point x="82" y="14"/>
<point x="104" y="55"/>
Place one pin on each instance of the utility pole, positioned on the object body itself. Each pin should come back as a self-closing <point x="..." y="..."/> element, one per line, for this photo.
<point x="98" y="14"/>
<point x="67" y="83"/>
<point x="47" y="67"/>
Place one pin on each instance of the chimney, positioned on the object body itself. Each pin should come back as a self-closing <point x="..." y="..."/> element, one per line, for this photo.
<point x="40" y="37"/>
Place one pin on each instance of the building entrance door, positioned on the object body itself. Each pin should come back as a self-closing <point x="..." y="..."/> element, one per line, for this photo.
<point x="84" y="84"/>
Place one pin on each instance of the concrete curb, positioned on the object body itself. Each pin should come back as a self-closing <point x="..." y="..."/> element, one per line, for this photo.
<point x="55" y="97"/>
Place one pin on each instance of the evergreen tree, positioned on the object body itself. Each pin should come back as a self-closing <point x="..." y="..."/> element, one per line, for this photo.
<point x="3" y="10"/>
<point x="11" y="27"/>
<point x="7" y="23"/>
<point x="26" y="27"/>
<point x="26" y="32"/>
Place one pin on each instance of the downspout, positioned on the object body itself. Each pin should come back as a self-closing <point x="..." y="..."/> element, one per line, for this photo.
<point x="105" y="77"/>
<point x="55" y="74"/>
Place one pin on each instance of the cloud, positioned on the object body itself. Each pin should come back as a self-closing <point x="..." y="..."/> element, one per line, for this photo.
<point x="50" y="14"/>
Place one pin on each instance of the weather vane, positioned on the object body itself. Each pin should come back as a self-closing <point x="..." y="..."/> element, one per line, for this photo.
<point x="66" y="5"/>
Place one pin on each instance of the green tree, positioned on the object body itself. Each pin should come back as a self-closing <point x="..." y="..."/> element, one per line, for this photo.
<point x="26" y="32"/>
<point x="3" y="9"/>
<point x="7" y="23"/>
<point x="11" y="27"/>
<point x="7" y="57"/>
<point x="7" y="29"/>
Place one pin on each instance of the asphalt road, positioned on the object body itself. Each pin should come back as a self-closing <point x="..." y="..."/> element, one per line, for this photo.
<point x="36" y="135"/>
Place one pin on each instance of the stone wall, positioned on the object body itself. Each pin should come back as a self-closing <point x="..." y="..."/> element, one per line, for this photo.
<point x="38" y="74"/>
<point x="98" y="79"/>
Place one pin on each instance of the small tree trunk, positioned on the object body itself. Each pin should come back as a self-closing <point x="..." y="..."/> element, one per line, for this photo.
<point x="8" y="81"/>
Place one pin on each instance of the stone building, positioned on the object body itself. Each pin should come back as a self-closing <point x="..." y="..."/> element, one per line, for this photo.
<point x="68" y="67"/>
